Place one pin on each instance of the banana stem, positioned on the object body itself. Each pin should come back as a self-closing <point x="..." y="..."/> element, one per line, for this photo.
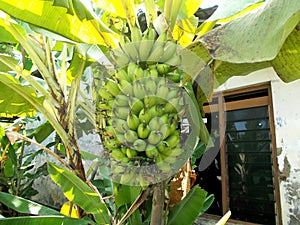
<point x="174" y="13"/>
<point x="157" y="214"/>
<point x="151" y="13"/>
<point x="167" y="10"/>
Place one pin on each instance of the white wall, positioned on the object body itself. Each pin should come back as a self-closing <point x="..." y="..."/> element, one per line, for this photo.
<point x="286" y="104"/>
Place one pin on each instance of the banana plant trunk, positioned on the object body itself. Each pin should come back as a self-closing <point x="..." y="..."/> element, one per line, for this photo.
<point x="157" y="214"/>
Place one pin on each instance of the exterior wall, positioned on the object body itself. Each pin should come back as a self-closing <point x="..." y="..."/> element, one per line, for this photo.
<point x="286" y="105"/>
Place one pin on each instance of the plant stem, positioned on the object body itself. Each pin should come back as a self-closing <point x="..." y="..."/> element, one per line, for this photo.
<point x="157" y="214"/>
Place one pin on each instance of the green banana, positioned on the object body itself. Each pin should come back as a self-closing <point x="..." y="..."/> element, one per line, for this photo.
<point x="145" y="116"/>
<point x="136" y="34"/>
<point x="163" y="68"/>
<point x="117" y="154"/>
<point x="129" y="48"/>
<point x="163" y="147"/>
<point x="151" y="151"/>
<point x="173" y="140"/>
<point x="170" y="159"/>
<point x="121" y="100"/>
<point x="143" y="130"/>
<point x="138" y="89"/>
<point x="162" y="91"/>
<point x="172" y="106"/>
<point x="130" y="136"/>
<point x="131" y="69"/>
<point x="104" y="94"/>
<point x="139" y="145"/>
<point x="121" y="74"/>
<point x="155" y="137"/>
<point x="125" y="87"/>
<point x="110" y="131"/>
<point x="165" y="130"/>
<point x="120" y="58"/>
<point x="174" y="61"/>
<point x="121" y="112"/>
<point x="150" y="86"/>
<point x="131" y="153"/>
<point x="138" y="73"/>
<point x="151" y="35"/>
<point x="149" y="101"/>
<point x="111" y="144"/>
<point x="156" y="123"/>
<point x="174" y="77"/>
<point x="145" y="48"/>
<point x="136" y="105"/>
<point x="162" y="38"/>
<point x="119" y="125"/>
<point x="133" y="121"/>
<point x="173" y="93"/>
<point x="169" y="51"/>
<point x="120" y="137"/>
<point x="112" y="87"/>
<point x="176" y="151"/>
<point x="153" y="72"/>
<point x="158" y="48"/>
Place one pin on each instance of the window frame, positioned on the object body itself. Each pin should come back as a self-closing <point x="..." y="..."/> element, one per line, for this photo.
<point x="221" y="106"/>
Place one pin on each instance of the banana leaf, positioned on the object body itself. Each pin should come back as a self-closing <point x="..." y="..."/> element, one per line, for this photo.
<point x="14" y="102"/>
<point x="57" y="19"/>
<point x="257" y="36"/>
<point x="186" y="211"/>
<point x="25" y="206"/>
<point x="79" y="192"/>
<point x="42" y="220"/>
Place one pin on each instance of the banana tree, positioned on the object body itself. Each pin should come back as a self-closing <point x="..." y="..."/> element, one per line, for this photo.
<point x="63" y="38"/>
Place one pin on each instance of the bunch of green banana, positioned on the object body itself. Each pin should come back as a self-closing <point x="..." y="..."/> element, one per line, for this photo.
<point x="139" y="108"/>
<point x="146" y="47"/>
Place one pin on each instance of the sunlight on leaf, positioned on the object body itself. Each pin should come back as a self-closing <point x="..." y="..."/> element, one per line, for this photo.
<point x="25" y="206"/>
<point x="11" y="102"/>
<point x="79" y="192"/>
<point x="184" y="31"/>
<point x="56" y="19"/>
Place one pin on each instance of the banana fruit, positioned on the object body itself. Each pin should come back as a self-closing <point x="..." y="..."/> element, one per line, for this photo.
<point x="139" y="107"/>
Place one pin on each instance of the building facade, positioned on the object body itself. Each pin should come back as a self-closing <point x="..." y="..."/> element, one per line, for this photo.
<point x="256" y="173"/>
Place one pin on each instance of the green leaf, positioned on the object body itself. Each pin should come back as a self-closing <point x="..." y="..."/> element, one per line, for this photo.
<point x="256" y="36"/>
<point x="188" y="8"/>
<point x="195" y="119"/>
<point x="25" y="206"/>
<point x="81" y="9"/>
<point x="79" y="192"/>
<point x="56" y="19"/>
<point x="43" y="131"/>
<point x="186" y="211"/>
<point x="3" y="66"/>
<point x="224" y="70"/>
<point x="198" y="152"/>
<point x="125" y="194"/>
<point x="14" y="103"/>
<point x="287" y="62"/>
<point x="5" y="35"/>
<point x="227" y="8"/>
<point x="208" y="202"/>
<point x="42" y="220"/>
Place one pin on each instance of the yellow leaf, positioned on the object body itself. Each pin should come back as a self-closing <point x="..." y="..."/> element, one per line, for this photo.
<point x="184" y="31"/>
<point x="70" y="209"/>
<point x="114" y="7"/>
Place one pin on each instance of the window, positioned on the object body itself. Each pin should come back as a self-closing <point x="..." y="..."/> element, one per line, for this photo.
<point x="243" y="175"/>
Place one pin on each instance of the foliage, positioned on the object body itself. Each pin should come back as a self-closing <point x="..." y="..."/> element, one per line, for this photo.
<point x="60" y="40"/>
<point x="16" y="166"/>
